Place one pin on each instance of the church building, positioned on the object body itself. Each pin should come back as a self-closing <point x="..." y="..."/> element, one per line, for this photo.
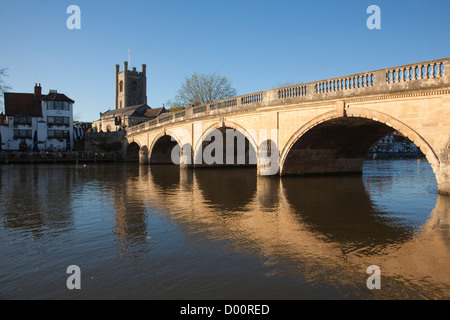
<point x="130" y="102"/>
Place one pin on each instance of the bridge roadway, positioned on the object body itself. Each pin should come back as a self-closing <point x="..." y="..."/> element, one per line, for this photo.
<point x="319" y="127"/>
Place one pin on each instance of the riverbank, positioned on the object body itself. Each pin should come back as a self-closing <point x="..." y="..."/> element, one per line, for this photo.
<point x="57" y="157"/>
<point x="95" y="157"/>
<point x="395" y="155"/>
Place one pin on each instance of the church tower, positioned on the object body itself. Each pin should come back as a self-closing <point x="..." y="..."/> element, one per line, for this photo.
<point x="131" y="86"/>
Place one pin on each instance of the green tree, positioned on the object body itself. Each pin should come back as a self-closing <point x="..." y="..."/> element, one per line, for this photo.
<point x="200" y="89"/>
<point x="3" y="87"/>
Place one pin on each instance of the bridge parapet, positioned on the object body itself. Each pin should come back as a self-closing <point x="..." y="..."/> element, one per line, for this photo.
<point x="417" y="76"/>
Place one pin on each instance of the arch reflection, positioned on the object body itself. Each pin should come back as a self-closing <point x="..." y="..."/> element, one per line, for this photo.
<point x="316" y="225"/>
<point x="228" y="190"/>
<point x="340" y="209"/>
<point x="166" y="177"/>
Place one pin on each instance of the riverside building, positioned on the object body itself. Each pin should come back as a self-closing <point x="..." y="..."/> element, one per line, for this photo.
<point x="37" y="122"/>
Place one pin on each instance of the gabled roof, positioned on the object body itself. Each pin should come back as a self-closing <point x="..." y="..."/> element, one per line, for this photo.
<point x="153" y="113"/>
<point x="137" y="111"/>
<point x="22" y="103"/>
<point x="54" y="96"/>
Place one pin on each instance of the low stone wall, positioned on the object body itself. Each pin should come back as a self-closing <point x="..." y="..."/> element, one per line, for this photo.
<point x="57" y="157"/>
<point x="104" y="141"/>
<point x="395" y="155"/>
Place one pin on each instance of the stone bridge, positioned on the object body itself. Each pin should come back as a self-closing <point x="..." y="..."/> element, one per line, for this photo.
<point x="320" y="127"/>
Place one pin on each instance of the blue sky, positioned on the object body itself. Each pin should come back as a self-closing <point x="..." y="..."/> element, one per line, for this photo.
<point x="257" y="44"/>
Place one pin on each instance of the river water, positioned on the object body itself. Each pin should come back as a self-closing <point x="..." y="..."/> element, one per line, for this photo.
<point x="139" y="232"/>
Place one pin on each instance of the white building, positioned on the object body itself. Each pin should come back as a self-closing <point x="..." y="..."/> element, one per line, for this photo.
<point x="37" y="122"/>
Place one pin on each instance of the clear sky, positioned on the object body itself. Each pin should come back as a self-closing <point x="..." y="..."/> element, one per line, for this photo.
<point x="259" y="45"/>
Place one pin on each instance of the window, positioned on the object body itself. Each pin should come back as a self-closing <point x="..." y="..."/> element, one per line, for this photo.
<point x="121" y="86"/>
<point x="57" y="134"/>
<point x="58" y="121"/>
<point x="58" y="105"/>
<point x="134" y="86"/>
<point x="22" y="120"/>
<point x="22" y="134"/>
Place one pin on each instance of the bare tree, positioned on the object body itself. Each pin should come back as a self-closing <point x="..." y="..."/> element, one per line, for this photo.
<point x="200" y="89"/>
<point x="289" y="83"/>
<point x="3" y="87"/>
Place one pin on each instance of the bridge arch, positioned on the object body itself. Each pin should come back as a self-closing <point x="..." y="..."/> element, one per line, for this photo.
<point x="399" y="126"/>
<point x="331" y="143"/>
<point x="251" y="147"/>
<point x="162" y="149"/>
<point x="132" y="152"/>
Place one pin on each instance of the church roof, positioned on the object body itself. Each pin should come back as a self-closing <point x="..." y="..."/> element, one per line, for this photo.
<point x="137" y="111"/>
<point x="140" y="110"/>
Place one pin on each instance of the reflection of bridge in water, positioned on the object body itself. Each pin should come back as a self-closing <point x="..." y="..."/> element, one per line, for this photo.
<point x="311" y="225"/>
<point x="323" y="229"/>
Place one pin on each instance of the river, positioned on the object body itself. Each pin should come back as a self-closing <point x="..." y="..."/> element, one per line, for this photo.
<point x="139" y="232"/>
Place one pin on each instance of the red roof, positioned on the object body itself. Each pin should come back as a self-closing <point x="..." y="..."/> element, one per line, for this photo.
<point x="153" y="113"/>
<point x="29" y="104"/>
<point x="22" y="103"/>
<point x="53" y="96"/>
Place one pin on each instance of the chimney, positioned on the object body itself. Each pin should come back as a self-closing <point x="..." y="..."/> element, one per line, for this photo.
<point x="37" y="91"/>
<point x="144" y="67"/>
<point x="125" y="66"/>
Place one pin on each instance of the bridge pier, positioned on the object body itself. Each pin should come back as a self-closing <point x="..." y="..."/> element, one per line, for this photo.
<point x="265" y="170"/>
<point x="443" y="173"/>
<point x="268" y="159"/>
<point x="143" y="160"/>
<point x="267" y="166"/>
<point x="143" y="156"/>
<point x="185" y="161"/>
